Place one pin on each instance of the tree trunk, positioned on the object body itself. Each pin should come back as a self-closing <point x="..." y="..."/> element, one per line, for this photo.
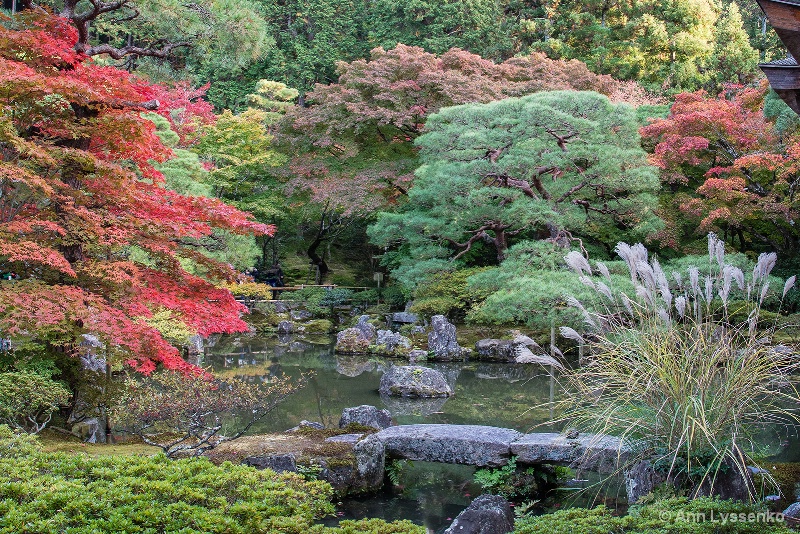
<point x="500" y="243"/>
<point x="317" y="260"/>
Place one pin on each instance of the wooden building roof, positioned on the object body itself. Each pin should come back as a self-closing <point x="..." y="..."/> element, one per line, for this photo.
<point x="784" y="74"/>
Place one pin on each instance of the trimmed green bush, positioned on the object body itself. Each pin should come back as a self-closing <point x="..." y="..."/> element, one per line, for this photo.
<point x="372" y="526"/>
<point x="447" y="293"/>
<point x="676" y="515"/>
<point x="28" y="400"/>
<point x="46" y="493"/>
<point x="42" y="493"/>
<point x="16" y="444"/>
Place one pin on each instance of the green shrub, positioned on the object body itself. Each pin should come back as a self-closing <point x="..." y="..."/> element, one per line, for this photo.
<point x="366" y="297"/>
<point x="28" y="400"/>
<point x="311" y="298"/>
<point x="336" y="297"/>
<point x="318" y="326"/>
<point x="447" y="293"/>
<point x="170" y="327"/>
<point x="17" y="444"/>
<point x="395" y="296"/>
<point x="255" y="290"/>
<point x="677" y="515"/>
<point x="513" y="483"/>
<point x="48" y="493"/>
<point x="530" y="288"/>
<point x="371" y="526"/>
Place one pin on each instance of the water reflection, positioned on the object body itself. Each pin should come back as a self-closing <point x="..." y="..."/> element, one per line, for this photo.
<point x="506" y="395"/>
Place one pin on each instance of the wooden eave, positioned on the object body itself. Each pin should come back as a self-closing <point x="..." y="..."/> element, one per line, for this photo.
<point x="784" y="17"/>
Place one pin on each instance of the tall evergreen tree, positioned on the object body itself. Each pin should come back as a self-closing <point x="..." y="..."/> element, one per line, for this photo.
<point x="554" y="165"/>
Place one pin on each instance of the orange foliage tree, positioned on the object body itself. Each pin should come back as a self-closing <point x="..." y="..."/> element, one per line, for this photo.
<point x="725" y="170"/>
<point x="85" y="219"/>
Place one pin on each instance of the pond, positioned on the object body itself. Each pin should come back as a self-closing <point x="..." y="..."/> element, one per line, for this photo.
<point x="505" y="395"/>
<point x="497" y="394"/>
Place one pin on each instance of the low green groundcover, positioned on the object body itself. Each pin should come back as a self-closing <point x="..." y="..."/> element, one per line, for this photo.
<point x="675" y="515"/>
<point x="77" y="494"/>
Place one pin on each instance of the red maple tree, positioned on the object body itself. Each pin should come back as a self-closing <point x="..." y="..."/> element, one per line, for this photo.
<point x="85" y="219"/>
<point x="726" y="171"/>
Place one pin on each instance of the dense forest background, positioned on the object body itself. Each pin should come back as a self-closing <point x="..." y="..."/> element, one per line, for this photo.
<point x="462" y="147"/>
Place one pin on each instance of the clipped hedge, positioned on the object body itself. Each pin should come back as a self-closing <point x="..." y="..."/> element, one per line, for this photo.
<point x="675" y="515"/>
<point x="371" y="526"/>
<point x="42" y="493"/>
<point x="47" y="493"/>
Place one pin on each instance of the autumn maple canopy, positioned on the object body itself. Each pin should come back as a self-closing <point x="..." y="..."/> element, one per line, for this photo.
<point x="98" y="241"/>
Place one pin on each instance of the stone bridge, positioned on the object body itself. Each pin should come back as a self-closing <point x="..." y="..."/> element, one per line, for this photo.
<point x="488" y="446"/>
<point x="484" y="446"/>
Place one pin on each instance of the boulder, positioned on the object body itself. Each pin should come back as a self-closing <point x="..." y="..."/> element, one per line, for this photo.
<point x="366" y="415"/>
<point x="356" y="340"/>
<point x="641" y="479"/>
<point x="277" y="462"/>
<point x="195" y="344"/>
<point x="417" y="355"/>
<point x="86" y="418"/>
<point x="442" y="339"/>
<point x="495" y="350"/>
<point x="733" y="483"/>
<point x="419" y="407"/>
<point x="481" y="446"/>
<point x="370" y="463"/>
<point x="522" y="339"/>
<point x="414" y="381"/>
<point x="391" y="344"/>
<point x="793" y="511"/>
<point x="593" y="452"/>
<point x="488" y="514"/>
<point x="91" y="430"/>
<point x="351" y="341"/>
<point x="285" y="327"/>
<point x="366" y="330"/>
<point x="300" y="315"/>
<point x="404" y="318"/>
<point x="280" y="307"/>
<point x="90" y="361"/>
<point x="524" y="355"/>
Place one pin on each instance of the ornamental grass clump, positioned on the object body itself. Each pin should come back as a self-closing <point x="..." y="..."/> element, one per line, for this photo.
<point x="683" y="369"/>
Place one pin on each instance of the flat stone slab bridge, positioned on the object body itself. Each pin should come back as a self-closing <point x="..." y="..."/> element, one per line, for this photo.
<point x="487" y="446"/>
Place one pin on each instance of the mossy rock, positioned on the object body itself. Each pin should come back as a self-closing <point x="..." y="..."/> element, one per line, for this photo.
<point x="394" y="352"/>
<point x="787" y="476"/>
<point x="350" y="341"/>
<point x="318" y="326"/>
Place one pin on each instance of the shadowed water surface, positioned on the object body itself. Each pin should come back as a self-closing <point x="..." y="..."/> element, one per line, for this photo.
<point x="504" y="395"/>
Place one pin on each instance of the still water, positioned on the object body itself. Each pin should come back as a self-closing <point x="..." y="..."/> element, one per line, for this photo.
<point x="505" y="395"/>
